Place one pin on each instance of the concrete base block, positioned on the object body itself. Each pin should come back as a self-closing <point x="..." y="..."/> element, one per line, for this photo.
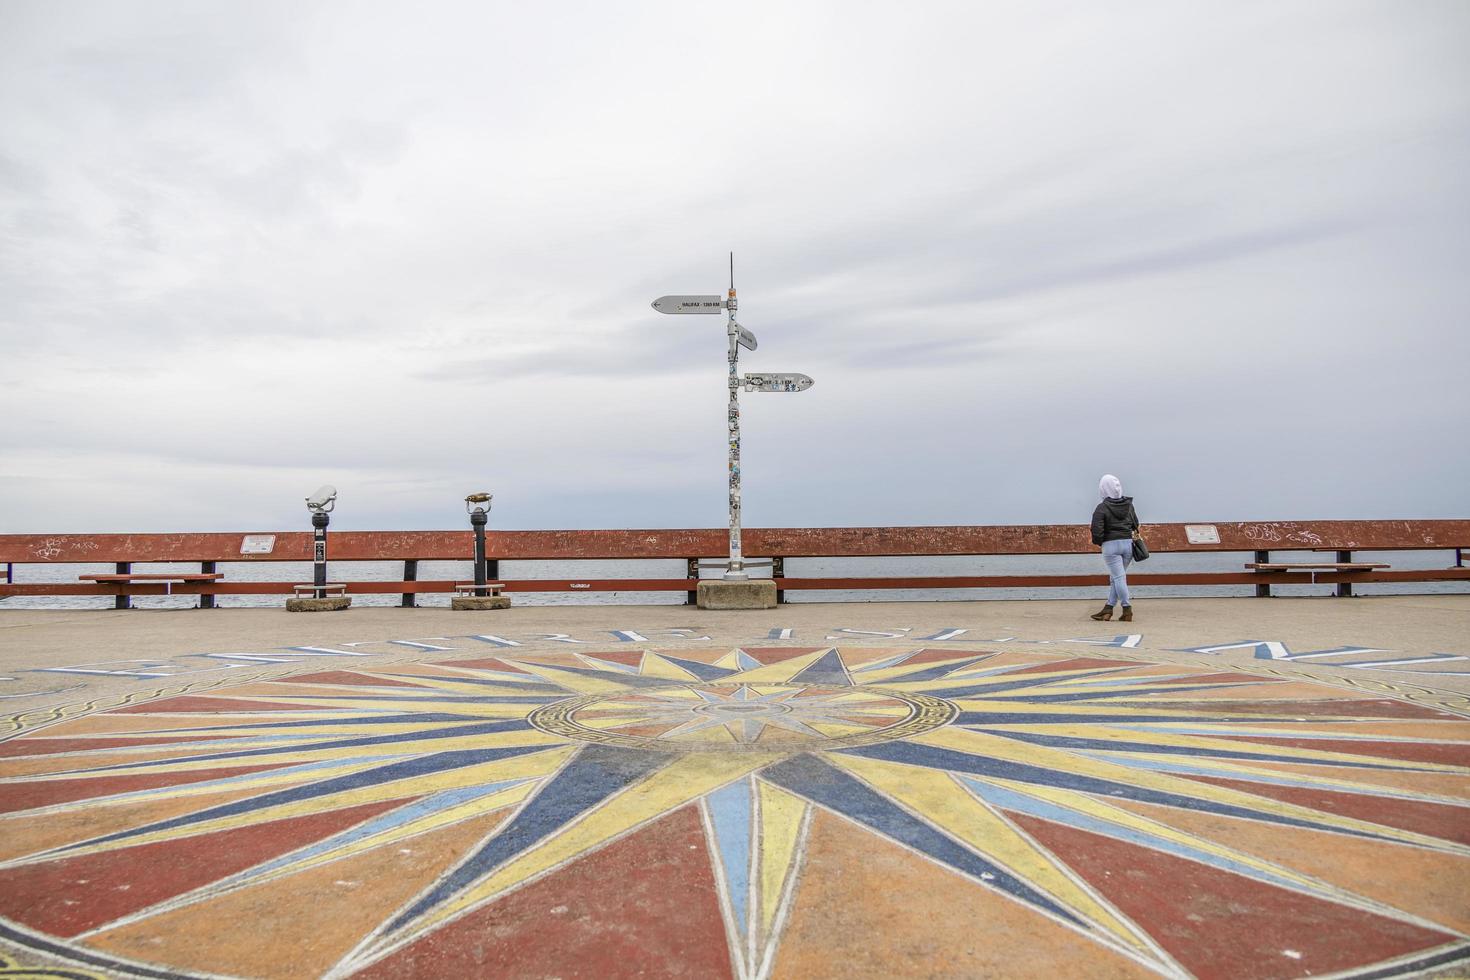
<point x="480" y="602"/>
<point x="750" y="594"/>
<point x="330" y="604"/>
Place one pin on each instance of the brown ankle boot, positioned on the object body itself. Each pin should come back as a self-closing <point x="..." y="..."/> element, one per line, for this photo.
<point x="1127" y="615"/>
<point x="1104" y="614"/>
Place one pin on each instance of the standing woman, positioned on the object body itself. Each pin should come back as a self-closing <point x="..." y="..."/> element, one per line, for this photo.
<point x="1114" y="523"/>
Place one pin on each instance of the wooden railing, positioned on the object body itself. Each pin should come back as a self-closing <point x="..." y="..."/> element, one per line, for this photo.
<point x="1258" y="538"/>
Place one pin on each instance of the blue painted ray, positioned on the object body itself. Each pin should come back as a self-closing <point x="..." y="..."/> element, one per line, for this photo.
<point x="1031" y="680"/>
<point x="427" y="718"/>
<point x="731" y="812"/>
<point x="1192" y="749"/>
<point x="935" y="671"/>
<point x="444" y="698"/>
<point x="827" y="671"/>
<point x="406" y="769"/>
<point x="1207" y="767"/>
<point x="1105" y="695"/>
<point x="980" y="717"/>
<point x="207" y="786"/>
<point x="599" y="664"/>
<point x="886" y="663"/>
<point x="596" y="773"/>
<point x="1145" y="833"/>
<point x="812" y="778"/>
<point x="951" y="760"/>
<point x="705" y="672"/>
<point x="745" y="661"/>
<point x="529" y="686"/>
<point x="383" y="823"/>
<point x="360" y="741"/>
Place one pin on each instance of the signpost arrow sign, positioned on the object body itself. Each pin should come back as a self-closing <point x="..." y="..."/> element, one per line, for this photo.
<point x="777" y="382"/>
<point x="690" y="304"/>
<point x="745" y="337"/>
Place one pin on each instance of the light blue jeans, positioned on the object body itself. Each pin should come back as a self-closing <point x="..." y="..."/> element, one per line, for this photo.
<point x="1118" y="555"/>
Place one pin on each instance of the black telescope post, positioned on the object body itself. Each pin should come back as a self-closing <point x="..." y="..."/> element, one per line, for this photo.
<point x="478" y="518"/>
<point x="319" y="521"/>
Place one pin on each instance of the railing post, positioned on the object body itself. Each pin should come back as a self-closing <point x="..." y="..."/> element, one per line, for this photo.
<point x="123" y="600"/>
<point x="778" y="572"/>
<point x="410" y="574"/>
<point x="692" y="571"/>
<point x="1344" y="588"/>
<point x="206" y="599"/>
<point x="1263" y="590"/>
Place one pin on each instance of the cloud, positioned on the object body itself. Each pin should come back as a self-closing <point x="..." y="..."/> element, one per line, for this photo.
<point x="263" y="246"/>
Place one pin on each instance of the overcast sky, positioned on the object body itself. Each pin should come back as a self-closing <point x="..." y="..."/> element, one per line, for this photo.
<point x="1219" y="249"/>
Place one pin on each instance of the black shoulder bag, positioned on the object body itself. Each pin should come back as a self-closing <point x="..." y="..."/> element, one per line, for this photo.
<point x="1140" y="550"/>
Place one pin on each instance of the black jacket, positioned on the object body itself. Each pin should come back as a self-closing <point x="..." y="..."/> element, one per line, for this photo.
<point x="1114" y="520"/>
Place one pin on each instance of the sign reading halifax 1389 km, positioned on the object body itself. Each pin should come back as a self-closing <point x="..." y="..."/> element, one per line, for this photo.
<point x="690" y="304"/>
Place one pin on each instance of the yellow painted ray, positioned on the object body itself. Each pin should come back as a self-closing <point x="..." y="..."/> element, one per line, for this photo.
<point x="730" y="661"/>
<point x="386" y="838"/>
<point x="1051" y="681"/>
<point x="782" y="825"/>
<point x="985" y="702"/>
<point x="579" y="680"/>
<point x="352" y="704"/>
<point x="686" y="778"/>
<point x="423" y="746"/>
<point x="712" y="733"/>
<point x="1206" y="744"/>
<point x="1070" y="800"/>
<point x="1240" y="769"/>
<point x="655" y="666"/>
<point x="263" y="780"/>
<point x="216" y="736"/>
<point x="531" y="764"/>
<point x="776" y="673"/>
<point x="833" y="729"/>
<point x="948" y="805"/>
<point x="877" y="677"/>
<point x="488" y="687"/>
<point x="1062" y="762"/>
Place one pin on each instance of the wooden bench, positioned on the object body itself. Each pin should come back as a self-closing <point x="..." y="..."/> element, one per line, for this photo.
<point x="310" y="591"/>
<point x="469" y="588"/>
<point x="166" y="579"/>
<point x="1311" y="568"/>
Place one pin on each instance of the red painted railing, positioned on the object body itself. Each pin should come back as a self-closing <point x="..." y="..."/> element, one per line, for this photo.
<point x="411" y="547"/>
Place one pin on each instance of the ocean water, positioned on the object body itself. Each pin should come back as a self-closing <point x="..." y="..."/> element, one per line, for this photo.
<point x="291" y="573"/>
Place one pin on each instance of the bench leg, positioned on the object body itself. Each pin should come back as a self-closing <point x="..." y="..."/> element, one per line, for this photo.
<point x="206" y="599"/>
<point x="410" y="574"/>
<point x="1263" y="591"/>
<point x="778" y="572"/>
<point x="1344" y="588"/>
<point x="692" y="571"/>
<point x="123" y="600"/>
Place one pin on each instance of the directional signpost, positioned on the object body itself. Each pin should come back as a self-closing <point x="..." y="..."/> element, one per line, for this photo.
<point x="777" y="382"/>
<point x="689" y="304"/>
<point x="739" y="337"/>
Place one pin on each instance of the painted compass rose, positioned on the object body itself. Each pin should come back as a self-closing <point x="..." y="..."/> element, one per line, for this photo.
<point x="745" y="813"/>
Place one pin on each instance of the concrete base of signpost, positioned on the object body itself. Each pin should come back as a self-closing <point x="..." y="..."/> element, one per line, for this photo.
<point x="330" y="604"/>
<point x="750" y="594"/>
<point x="474" y="602"/>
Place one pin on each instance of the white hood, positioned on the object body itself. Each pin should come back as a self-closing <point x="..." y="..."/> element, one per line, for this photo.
<point x="1109" y="486"/>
